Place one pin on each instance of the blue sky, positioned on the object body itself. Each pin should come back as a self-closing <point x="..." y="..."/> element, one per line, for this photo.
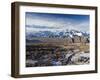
<point x="54" y="22"/>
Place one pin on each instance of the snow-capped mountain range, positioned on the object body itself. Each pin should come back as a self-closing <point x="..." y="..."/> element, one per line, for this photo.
<point x="56" y="34"/>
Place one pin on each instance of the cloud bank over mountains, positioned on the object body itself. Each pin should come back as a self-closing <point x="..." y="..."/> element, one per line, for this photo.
<point x="55" y="22"/>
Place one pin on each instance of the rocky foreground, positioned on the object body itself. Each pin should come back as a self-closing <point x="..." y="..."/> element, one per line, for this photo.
<point x="56" y="56"/>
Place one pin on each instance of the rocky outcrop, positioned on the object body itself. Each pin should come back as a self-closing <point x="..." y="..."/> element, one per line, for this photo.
<point x="77" y="39"/>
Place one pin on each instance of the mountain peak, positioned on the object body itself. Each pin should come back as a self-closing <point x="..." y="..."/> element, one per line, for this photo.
<point x="57" y="34"/>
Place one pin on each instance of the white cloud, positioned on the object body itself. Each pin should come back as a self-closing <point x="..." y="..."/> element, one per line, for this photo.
<point x="57" y="24"/>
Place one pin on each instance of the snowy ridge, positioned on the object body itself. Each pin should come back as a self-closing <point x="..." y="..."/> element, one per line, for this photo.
<point x="57" y="34"/>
